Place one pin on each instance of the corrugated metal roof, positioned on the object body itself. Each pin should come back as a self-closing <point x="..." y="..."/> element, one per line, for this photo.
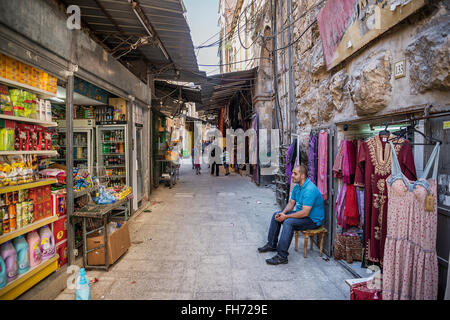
<point x="218" y="89"/>
<point x="116" y="26"/>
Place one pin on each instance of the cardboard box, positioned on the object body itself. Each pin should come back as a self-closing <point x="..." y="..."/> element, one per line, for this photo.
<point x="61" y="250"/>
<point x="120" y="108"/>
<point x="118" y="244"/>
<point x="59" y="228"/>
<point x="59" y="204"/>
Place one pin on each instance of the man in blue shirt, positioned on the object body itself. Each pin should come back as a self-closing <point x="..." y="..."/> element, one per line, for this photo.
<point x="309" y="214"/>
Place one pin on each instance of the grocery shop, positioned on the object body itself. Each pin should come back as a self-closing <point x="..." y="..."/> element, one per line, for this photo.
<point x="70" y="103"/>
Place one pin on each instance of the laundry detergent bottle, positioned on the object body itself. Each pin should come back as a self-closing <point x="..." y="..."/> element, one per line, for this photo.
<point x="23" y="256"/>
<point x="34" y="248"/>
<point x="9" y="255"/>
<point x="2" y="273"/>
<point x="83" y="290"/>
<point x="47" y="243"/>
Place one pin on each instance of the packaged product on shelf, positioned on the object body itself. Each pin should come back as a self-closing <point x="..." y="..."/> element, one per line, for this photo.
<point x="5" y="222"/>
<point x="43" y="110"/>
<point x="19" y="216"/>
<point x="47" y="243"/>
<point x="30" y="207"/>
<point x="34" y="139"/>
<point x="48" y="111"/>
<point x="7" y="135"/>
<point x="47" y="139"/>
<point x="12" y="217"/>
<point x="33" y="106"/>
<point x="27" y="103"/>
<point x="5" y="101"/>
<point x="16" y="96"/>
<point x="2" y="213"/>
<point x="9" y="256"/>
<point x="34" y="248"/>
<point x="23" y="260"/>
<point x="3" y="278"/>
<point x="23" y="140"/>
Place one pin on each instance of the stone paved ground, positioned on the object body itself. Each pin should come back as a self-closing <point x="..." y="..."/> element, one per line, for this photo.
<point x="200" y="242"/>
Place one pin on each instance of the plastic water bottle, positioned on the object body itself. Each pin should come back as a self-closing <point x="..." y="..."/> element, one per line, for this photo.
<point x="83" y="291"/>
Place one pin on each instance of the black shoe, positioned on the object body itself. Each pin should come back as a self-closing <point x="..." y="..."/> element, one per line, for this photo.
<point x="277" y="260"/>
<point x="227" y="173"/>
<point x="266" y="248"/>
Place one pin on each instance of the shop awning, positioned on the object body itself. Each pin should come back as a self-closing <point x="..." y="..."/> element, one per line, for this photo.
<point x="219" y="89"/>
<point x="169" y="96"/>
<point x="143" y="33"/>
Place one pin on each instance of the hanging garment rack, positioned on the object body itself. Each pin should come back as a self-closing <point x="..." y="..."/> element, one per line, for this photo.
<point x="404" y="131"/>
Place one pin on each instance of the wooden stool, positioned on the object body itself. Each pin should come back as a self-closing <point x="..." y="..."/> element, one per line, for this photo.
<point x="311" y="233"/>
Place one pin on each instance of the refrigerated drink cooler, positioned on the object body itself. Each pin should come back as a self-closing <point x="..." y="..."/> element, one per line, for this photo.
<point x="83" y="144"/>
<point x="112" y="155"/>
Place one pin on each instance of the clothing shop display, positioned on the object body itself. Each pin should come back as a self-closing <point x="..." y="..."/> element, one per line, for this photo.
<point x="360" y="200"/>
<point x="312" y="157"/>
<point x="362" y="291"/>
<point x="348" y="161"/>
<point x="373" y="167"/>
<point x="337" y="166"/>
<point x="289" y="166"/>
<point x="340" y="205"/>
<point x="348" y="247"/>
<point x="322" y="175"/>
<point x="351" y="212"/>
<point x="410" y="260"/>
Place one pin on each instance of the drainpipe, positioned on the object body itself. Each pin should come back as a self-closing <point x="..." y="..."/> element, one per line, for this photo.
<point x="291" y="77"/>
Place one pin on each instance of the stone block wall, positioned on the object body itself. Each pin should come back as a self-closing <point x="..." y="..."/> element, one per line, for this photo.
<point x="364" y="83"/>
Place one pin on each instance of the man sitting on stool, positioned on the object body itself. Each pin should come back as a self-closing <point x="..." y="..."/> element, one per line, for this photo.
<point x="309" y="215"/>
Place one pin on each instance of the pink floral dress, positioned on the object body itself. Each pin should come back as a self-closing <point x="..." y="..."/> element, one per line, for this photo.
<point x="410" y="261"/>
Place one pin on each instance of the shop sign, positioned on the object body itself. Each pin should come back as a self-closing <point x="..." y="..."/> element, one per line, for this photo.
<point x="347" y="25"/>
<point x="89" y="90"/>
<point x="446" y="125"/>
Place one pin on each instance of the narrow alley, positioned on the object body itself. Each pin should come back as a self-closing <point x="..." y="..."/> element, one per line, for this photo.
<point x="200" y="242"/>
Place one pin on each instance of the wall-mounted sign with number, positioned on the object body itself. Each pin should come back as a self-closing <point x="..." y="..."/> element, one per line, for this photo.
<point x="400" y="69"/>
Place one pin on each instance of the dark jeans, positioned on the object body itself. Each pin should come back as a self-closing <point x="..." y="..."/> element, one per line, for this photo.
<point x="289" y="226"/>
<point x="216" y="167"/>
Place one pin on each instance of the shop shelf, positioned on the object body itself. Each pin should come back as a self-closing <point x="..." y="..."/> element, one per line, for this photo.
<point x="26" y="229"/>
<point x="39" y="153"/>
<point x="116" y="166"/>
<point x="114" y="154"/>
<point x="29" y="279"/>
<point x="83" y="192"/>
<point x="39" y="183"/>
<point x="41" y="93"/>
<point x="114" y="176"/>
<point x="29" y="120"/>
<point x="115" y="141"/>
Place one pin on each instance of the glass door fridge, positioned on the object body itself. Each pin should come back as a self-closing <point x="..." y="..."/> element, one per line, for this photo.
<point x="83" y="148"/>
<point x="112" y="155"/>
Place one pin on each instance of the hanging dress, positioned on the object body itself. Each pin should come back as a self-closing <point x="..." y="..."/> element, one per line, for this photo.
<point x="410" y="259"/>
<point x="373" y="167"/>
<point x="322" y="164"/>
<point x="312" y="158"/>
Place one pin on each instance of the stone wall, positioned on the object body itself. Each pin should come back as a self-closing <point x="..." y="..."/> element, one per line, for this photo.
<point x="364" y="84"/>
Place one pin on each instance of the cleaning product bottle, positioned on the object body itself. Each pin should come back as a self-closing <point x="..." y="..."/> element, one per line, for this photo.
<point x="34" y="248"/>
<point x="83" y="291"/>
<point x="9" y="255"/>
<point x="2" y="273"/>
<point x="23" y="256"/>
<point x="47" y="243"/>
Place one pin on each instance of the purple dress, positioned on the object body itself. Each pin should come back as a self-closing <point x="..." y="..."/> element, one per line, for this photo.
<point x="312" y="158"/>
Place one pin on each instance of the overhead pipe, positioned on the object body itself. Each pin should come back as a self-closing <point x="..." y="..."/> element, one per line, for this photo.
<point x="135" y="5"/>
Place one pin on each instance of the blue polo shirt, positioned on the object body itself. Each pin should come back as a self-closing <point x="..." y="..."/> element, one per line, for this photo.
<point x="310" y="196"/>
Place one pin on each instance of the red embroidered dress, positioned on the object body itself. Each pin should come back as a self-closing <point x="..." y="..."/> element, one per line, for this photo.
<point x="373" y="167"/>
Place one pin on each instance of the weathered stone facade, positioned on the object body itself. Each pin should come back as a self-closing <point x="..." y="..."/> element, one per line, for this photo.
<point x="364" y="83"/>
